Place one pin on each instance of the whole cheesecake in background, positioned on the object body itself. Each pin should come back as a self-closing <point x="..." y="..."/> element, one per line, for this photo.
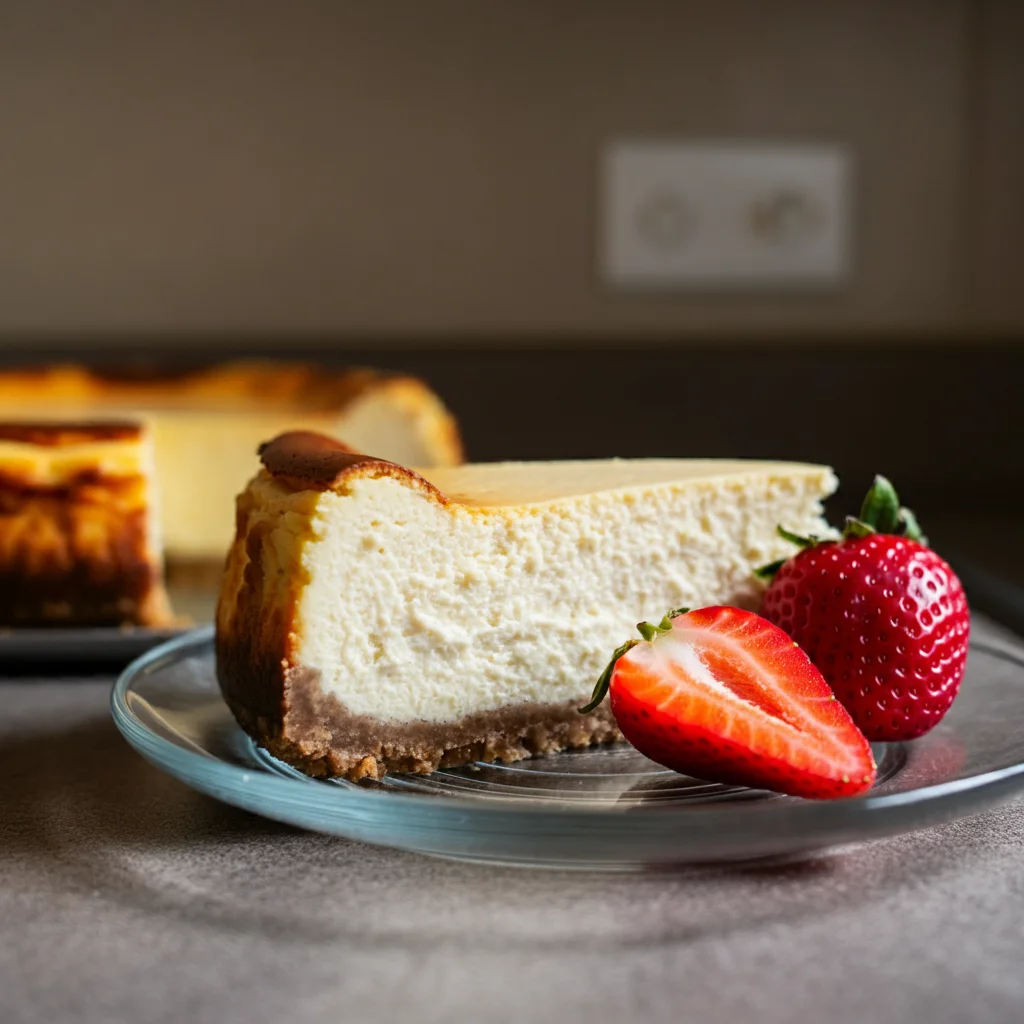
<point x="207" y="425"/>
<point x="373" y="618"/>
<point x="79" y="535"/>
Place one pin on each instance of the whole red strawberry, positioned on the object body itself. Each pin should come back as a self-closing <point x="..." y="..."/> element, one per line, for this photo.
<point x="880" y="614"/>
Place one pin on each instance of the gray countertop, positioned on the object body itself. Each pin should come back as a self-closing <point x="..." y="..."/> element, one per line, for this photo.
<point x="126" y="897"/>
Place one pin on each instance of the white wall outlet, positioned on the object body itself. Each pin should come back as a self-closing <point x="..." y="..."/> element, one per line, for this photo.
<point x="724" y="216"/>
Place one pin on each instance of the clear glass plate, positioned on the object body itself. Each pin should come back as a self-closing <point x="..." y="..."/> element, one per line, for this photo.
<point x="605" y="808"/>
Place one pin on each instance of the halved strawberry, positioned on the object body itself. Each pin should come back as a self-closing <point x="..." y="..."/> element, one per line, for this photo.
<point x="722" y="694"/>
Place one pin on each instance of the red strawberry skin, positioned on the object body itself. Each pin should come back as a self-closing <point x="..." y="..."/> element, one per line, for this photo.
<point x="886" y="621"/>
<point x="726" y="696"/>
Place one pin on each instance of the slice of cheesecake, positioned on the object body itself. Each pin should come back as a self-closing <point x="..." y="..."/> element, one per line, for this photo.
<point x="375" y="619"/>
<point x="79" y="542"/>
<point x="208" y="423"/>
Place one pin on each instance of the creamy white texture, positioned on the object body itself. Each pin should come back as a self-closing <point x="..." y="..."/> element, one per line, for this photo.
<point x="414" y="610"/>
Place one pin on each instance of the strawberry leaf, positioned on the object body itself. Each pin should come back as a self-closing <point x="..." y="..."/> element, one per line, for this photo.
<point x="795" y="538"/>
<point x="910" y="528"/>
<point x="855" y="527"/>
<point x="604" y="681"/>
<point x="884" y="514"/>
<point x="767" y="572"/>
<point x="881" y="507"/>
<point x="648" y="630"/>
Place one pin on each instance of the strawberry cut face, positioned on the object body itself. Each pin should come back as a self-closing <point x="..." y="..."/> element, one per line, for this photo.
<point x="726" y="696"/>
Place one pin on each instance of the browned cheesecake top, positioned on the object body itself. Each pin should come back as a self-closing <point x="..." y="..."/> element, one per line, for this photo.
<point x="259" y="383"/>
<point x="63" y="435"/>
<point x="38" y="456"/>
<point x="307" y="460"/>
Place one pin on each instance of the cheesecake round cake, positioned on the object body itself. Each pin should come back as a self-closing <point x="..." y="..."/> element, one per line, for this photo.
<point x="377" y="618"/>
<point x="79" y="531"/>
<point x="207" y="424"/>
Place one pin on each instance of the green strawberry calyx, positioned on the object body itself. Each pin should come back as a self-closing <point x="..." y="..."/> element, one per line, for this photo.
<point x="881" y="512"/>
<point x="649" y="631"/>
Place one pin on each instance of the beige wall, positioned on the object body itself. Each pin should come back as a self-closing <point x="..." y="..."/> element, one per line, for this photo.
<point x="428" y="168"/>
<point x="998" y="186"/>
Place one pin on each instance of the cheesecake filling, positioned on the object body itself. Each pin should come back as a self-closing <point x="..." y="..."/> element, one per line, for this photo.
<point x="412" y="610"/>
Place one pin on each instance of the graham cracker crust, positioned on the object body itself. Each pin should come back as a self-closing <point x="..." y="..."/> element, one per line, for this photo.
<point x="320" y="737"/>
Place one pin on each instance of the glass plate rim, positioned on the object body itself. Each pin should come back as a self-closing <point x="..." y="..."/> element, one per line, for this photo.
<point x="320" y="795"/>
